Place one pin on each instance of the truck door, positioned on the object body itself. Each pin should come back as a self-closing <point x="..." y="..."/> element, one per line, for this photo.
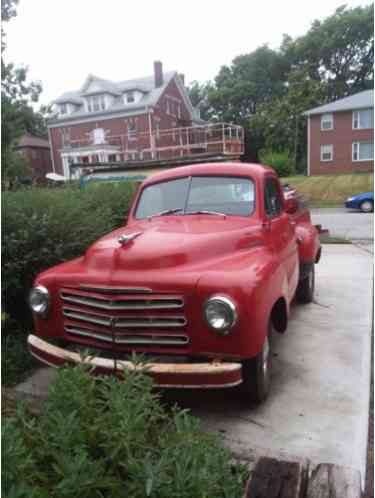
<point x="281" y="232"/>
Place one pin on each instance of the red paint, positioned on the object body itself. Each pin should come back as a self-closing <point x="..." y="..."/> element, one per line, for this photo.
<point x="253" y="260"/>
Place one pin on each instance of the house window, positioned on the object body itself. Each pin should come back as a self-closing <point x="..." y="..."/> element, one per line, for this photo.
<point x="179" y="110"/>
<point x="63" y="108"/>
<point x="157" y="128"/>
<point x="132" y="129"/>
<point x="96" y="103"/>
<point x="326" y="152"/>
<point x="326" y="122"/>
<point x="363" y="151"/>
<point x="112" y="158"/>
<point x="130" y="97"/>
<point x="168" y="106"/>
<point x="363" y="119"/>
<point x="98" y="136"/>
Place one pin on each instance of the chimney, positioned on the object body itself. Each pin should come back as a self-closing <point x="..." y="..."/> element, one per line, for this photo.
<point x="158" y="74"/>
<point x="182" y="78"/>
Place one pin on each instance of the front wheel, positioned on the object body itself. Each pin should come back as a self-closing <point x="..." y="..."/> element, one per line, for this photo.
<point x="256" y="374"/>
<point x="367" y="206"/>
<point x="306" y="287"/>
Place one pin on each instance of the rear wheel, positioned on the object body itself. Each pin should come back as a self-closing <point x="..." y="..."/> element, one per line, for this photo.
<point x="256" y="373"/>
<point x="367" y="206"/>
<point x="306" y="287"/>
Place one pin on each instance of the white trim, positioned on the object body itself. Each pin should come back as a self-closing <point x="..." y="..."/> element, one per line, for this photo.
<point x="359" y="119"/>
<point x="321" y="153"/>
<point x="361" y="160"/>
<point x="51" y="150"/>
<point x="321" y="121"/>
<point x="308" y="147"/>
<point x="95" y="118"/>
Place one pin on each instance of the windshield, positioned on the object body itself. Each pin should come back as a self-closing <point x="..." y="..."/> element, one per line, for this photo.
<point x="233" y="196"/>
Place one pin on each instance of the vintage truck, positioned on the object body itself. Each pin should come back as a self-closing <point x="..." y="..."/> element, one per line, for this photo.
<point x="201" y="275"/>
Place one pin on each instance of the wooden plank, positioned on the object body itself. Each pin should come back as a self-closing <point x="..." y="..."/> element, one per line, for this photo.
<point x="272" y="478"/>
<point x="332" y="481"/>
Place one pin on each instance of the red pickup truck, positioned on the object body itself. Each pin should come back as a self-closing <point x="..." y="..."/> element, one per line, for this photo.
<point x="202" y="274"/>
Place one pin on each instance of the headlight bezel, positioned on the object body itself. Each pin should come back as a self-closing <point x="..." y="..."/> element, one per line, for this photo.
<point x="231" y="308"/>
<point x="44" y="292"/>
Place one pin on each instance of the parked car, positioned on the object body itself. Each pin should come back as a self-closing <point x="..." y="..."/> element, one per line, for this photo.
<point x="364" y="202"/>
<point x="198" y="281"/>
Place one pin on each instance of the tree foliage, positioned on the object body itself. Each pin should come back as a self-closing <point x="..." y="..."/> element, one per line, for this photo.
<point x="338" y="51"/>
<point x="267" y="91"/>
<point x="17" y="98"/>
<point x="252" y="79"/>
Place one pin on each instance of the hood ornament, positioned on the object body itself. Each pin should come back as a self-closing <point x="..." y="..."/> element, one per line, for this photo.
<point x="125" y="239"/>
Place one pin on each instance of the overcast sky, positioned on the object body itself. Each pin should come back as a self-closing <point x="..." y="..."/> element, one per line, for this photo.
<point x="62" y="41"/>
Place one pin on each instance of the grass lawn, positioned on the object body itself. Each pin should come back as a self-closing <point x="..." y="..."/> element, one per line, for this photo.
<point x="331" y="190"/>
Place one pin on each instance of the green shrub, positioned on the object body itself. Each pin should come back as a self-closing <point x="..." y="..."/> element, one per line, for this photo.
<point x="43" y="227"/>
<point x="16" y="361"/>
<point x="279" y="161"/>
<point x="105" y="438"/>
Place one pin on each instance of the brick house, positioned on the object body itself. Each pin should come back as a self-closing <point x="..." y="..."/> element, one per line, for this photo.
<point x="340" y="135"/>
<point x="37" y="152"/>
<point x="144" y="119"/>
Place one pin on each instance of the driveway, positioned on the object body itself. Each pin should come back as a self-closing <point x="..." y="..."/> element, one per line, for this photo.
<point x="318" y="407"/>
<point x="348" y="224"/>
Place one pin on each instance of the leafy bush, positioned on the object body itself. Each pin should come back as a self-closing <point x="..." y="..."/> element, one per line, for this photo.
<point x="279" y="161"/>
<point x="105" y="438"/>
<point x="16" y="361"/>
<point x="43" y="227"/>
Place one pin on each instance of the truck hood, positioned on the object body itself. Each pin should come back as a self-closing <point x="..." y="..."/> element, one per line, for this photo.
<point x="177" y="242"/>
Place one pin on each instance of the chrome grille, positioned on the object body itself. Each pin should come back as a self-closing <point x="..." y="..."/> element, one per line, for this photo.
<point x="122" y="317"/>
<point x="139" y="339"/>
<point x="162" y="303"/>
<point x="127" y="322"/>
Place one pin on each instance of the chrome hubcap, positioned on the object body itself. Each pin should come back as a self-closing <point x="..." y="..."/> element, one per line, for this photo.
<point x="366" y="206"/>
<point x="266" y="352"/>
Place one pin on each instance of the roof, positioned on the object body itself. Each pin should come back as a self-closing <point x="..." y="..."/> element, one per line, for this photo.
<point x="145" y="85"/>
<point x="32" y="141"/>
<point x="359" y="100"/>
<point x="227" y="168"/>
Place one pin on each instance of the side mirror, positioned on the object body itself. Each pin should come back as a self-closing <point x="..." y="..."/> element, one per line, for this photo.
<point x="291" y="205"/>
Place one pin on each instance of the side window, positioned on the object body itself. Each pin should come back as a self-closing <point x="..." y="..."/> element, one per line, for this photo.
<point x="272" y="198"/>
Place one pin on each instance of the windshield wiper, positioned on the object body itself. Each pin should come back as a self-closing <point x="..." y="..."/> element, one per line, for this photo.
<point x="165" y="212"/>
<point x="207" y="212"/>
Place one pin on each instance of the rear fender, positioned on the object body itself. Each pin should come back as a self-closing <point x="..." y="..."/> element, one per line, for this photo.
<point x="308" y="243"/>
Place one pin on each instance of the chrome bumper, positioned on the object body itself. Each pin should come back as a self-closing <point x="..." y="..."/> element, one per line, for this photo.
<point x="214" y="375"/>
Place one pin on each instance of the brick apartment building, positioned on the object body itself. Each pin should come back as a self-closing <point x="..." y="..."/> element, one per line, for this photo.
<point x="37" y="153"/>
<point x="340" y="135"/>
<point x="145" y="119"/>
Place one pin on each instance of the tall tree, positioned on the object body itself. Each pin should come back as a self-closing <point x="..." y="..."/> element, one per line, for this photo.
<point x="281" y="122"/>
<point x="252" y="79"/>
<point x="338" y="51"/>
<point x="199" y="98"/>
<point x="17" y="97"/>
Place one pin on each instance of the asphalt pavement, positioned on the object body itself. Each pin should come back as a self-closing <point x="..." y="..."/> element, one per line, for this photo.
<point x="345" y="223"/>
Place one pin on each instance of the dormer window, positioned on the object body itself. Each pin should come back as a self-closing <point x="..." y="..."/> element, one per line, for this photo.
<point x="96" y="103"/>
<point x="130" y="97"/>
<point x="63" y="108"/>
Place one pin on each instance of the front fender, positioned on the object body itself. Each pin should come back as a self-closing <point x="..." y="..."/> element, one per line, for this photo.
<point x="254" y="286"/>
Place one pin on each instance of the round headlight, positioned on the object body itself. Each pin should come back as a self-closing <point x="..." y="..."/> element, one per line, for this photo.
<point x="39" y="300"/>
<point x="220" y="314"/>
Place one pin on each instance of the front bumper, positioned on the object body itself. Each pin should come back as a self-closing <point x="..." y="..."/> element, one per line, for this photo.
<point x="213" y="375"/>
